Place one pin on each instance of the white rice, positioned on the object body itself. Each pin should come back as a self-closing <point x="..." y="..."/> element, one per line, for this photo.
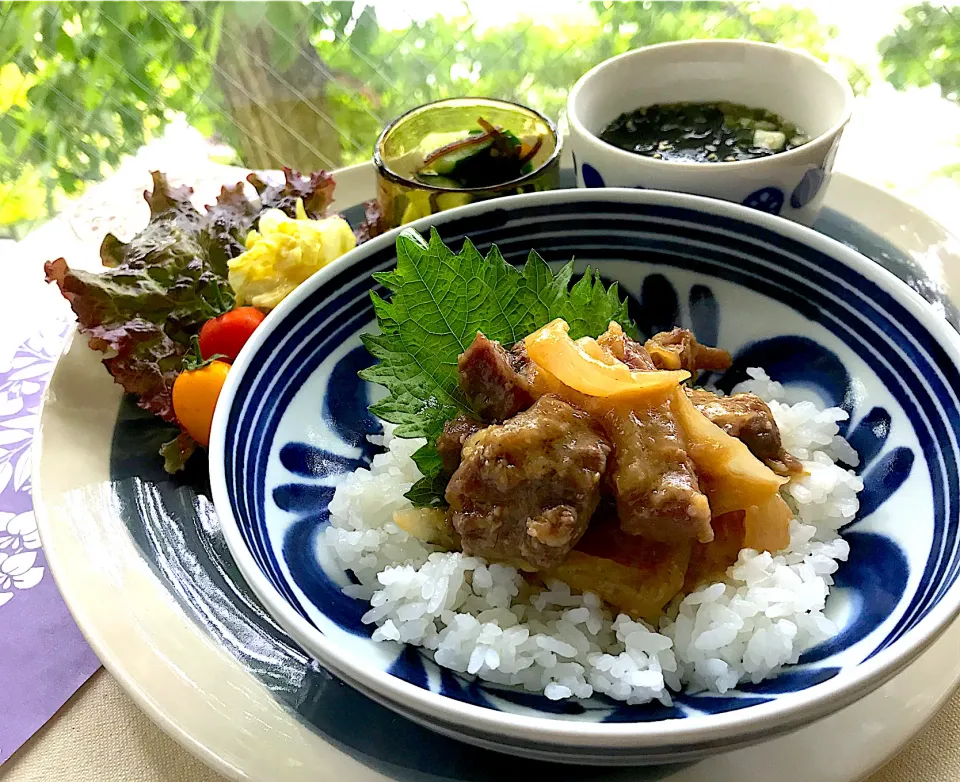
<point x="485" y="620"/>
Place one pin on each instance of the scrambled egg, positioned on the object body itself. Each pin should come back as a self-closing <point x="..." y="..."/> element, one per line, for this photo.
<point x="283" y="253"/>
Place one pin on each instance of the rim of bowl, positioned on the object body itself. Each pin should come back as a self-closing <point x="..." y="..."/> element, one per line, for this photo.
<point x="387" y="173"/>
<point x="733" y="728"/>
<point x="675" y="165"/>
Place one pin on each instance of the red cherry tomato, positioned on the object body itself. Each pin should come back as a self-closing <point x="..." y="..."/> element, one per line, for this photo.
<point x="228" y="333"/>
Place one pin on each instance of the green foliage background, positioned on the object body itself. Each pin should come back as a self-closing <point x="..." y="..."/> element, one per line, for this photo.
<point x="924" y="49"/>
<point x="83" y="84"/>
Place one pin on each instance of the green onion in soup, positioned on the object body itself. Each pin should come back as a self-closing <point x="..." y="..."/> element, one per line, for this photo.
<point x="703" y="132"/>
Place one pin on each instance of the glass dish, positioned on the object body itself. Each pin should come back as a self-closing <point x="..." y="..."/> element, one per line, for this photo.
<point x="405" y="143"/>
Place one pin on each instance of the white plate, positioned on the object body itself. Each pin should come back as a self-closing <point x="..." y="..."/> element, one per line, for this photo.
<point x="143" y="568"/>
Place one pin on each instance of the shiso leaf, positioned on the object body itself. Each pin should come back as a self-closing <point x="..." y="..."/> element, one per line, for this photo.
<point x="438" y="302"/>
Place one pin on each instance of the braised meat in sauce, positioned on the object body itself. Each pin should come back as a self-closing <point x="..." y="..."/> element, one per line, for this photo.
<point x="489" y="377"/>
<point x="530" y="467"/>
<point x="626" y="350"/>
<point x="451" y="440"/>
<point x="525" y="489"/>
<point x="652" y="477"/>
<point x="708" y="562"/>
<point x="748" y="418"/>
<point x="679" y="349"/>
<point x="638" y="575"/>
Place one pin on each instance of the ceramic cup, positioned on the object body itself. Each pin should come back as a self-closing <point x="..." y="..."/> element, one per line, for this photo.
<point x="790" y="83"/>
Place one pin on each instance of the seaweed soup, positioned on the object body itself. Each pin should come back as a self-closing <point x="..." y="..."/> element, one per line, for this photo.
<point x="703" y="132"/>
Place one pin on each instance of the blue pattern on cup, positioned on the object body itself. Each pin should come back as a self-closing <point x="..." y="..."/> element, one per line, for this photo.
<point x="591" y="177"/>
<point x="766" y="199"/>
<point x="807" y="189"/>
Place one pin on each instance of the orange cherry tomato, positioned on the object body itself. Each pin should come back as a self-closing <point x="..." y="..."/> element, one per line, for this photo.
<point x="195" y="394"/>
<point x="226" y="335"/>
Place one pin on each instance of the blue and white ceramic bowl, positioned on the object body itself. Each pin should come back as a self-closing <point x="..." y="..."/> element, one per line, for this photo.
<point x="789" y="82"/>
<point x="292" y="420"/>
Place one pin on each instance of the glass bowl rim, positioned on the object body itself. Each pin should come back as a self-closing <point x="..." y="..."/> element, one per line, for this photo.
<point x="387" y="173"/>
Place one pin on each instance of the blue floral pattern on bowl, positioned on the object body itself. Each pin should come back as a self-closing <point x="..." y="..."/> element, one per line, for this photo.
<point x="809" y="319"/>
<point x="345" y="411"/>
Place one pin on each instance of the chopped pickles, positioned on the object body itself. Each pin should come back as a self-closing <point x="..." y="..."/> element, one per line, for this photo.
<point x="486" y="156"/>
<point x="459" y="151"/>
<point x="703" y="132"/>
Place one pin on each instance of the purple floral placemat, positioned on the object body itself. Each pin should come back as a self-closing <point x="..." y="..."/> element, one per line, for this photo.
<point x="43" y="656"/>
